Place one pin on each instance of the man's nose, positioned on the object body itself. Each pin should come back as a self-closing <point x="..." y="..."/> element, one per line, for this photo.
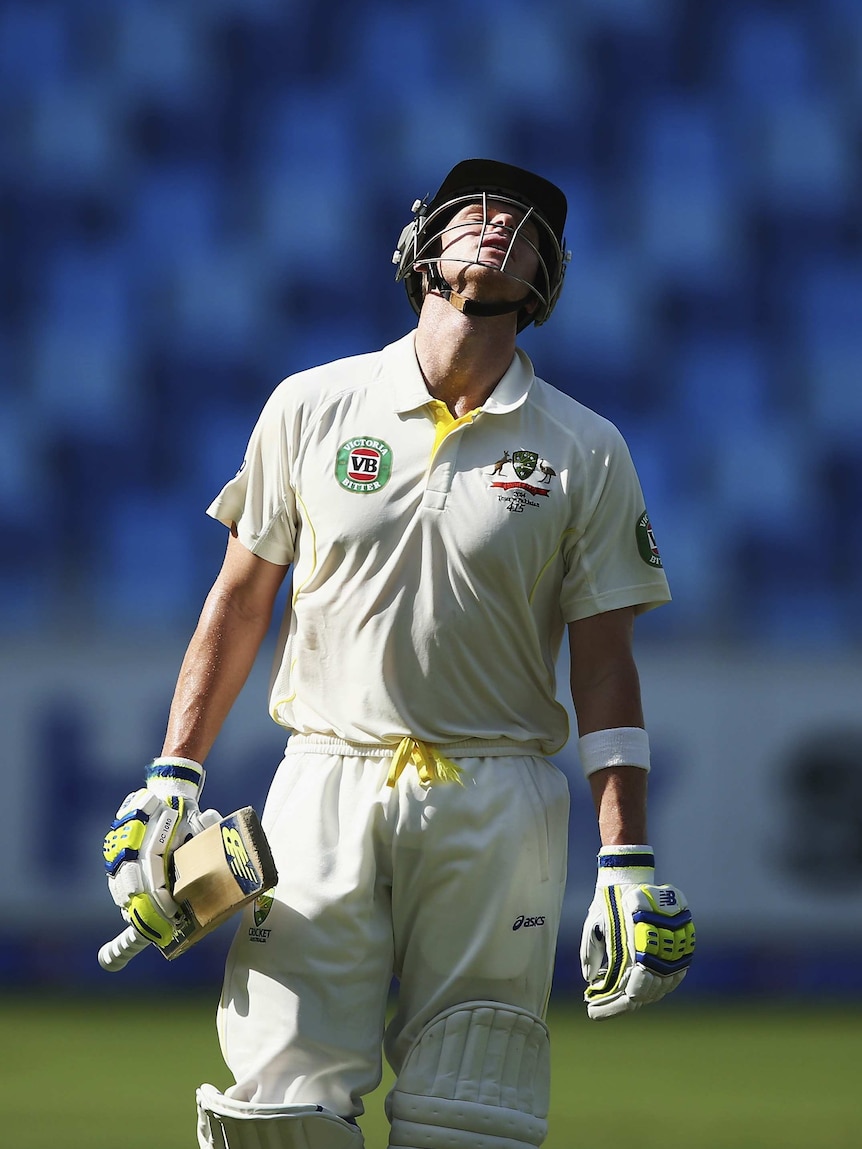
<point x="502" y="219"/>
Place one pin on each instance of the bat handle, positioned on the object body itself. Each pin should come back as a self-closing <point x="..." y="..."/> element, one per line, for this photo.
<point x="114" y="954"/>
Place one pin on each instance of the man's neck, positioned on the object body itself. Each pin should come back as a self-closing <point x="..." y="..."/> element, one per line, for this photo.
<point x="462" y="359"/>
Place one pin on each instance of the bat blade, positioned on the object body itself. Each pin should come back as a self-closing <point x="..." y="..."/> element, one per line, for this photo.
<point x="213" y="876"/>
<point x="218" y="872"/>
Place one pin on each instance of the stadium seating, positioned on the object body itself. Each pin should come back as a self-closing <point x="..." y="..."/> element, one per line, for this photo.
<point x="198" y="199"/>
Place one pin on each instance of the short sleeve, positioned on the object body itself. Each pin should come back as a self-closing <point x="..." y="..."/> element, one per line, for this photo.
<point x="611" y="558"/>
<point x="260" y="498"/>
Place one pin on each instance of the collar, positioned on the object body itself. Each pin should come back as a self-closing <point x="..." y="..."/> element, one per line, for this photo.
<point x="512" y="390"/>
<point x="401" y="368"/>
<point x="409" y="391"/>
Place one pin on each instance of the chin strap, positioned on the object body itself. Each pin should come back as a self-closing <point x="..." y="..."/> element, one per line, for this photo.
<point x="439" y="286"/>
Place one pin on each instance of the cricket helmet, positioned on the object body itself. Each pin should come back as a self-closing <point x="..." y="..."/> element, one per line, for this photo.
<point x="544" y="205"/>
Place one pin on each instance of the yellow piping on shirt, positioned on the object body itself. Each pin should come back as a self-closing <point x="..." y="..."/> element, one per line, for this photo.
<point x="297" y="590"/>
<point x="274" y="708"/>
<point x="553" y="555"/>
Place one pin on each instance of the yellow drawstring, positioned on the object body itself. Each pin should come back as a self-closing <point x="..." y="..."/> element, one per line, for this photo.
<point x="431" y="765"/>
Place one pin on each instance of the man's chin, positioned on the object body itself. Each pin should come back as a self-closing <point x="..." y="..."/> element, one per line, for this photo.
<point x="485" y="283"/>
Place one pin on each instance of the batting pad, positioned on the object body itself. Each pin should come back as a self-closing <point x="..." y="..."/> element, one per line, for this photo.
<point x="477" y="1077"/>
<point x="227" y="1124"/>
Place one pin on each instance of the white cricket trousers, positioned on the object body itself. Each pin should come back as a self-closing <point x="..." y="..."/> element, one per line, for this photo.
<point x="456" y="890"/>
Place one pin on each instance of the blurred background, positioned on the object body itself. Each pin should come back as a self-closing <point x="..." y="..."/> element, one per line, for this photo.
<point x="199" y="198"/>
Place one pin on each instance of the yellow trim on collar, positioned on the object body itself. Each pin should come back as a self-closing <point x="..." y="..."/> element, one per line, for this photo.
<point x="445" y="421"/>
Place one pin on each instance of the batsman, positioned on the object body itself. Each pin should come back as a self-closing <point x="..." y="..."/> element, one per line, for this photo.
<point x="444" y="518"/>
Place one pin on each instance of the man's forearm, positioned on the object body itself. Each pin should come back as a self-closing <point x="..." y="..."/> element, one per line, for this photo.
<point x="620" y="797"/>
<point x="215" y="668"/>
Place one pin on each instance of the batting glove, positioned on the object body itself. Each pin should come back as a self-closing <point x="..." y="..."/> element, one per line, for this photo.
<point x="638" y="939"/>
<point x="149" y="825"/>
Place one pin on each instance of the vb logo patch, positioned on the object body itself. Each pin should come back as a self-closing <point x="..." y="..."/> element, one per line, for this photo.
<point x="647" y="546"/>
<point x="363" y="464"/>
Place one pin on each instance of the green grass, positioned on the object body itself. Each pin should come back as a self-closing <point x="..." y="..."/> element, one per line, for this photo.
<point x="116" y="1074"/>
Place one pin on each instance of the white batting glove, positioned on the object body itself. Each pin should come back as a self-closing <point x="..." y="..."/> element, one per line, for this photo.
<point x="638" y="939"/>
<point x="149" y="825"/>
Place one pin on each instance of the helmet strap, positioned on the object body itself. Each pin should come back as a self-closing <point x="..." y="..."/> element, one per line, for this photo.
<point x="437" y="285"/>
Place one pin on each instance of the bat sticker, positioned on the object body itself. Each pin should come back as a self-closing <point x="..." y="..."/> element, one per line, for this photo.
<point x="238" y="858"/>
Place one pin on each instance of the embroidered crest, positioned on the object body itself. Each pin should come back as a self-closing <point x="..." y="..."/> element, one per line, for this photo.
<point x="518" y="491"/>
<point x="524" y="463"/>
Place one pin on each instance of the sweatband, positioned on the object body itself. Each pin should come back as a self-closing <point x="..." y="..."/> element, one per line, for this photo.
<point x="625" y="865"/>
<point x="622" y="746"/>
<point x="171" y="776"/>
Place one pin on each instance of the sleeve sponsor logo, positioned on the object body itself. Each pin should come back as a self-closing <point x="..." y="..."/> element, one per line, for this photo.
<point x="647" y="546"/>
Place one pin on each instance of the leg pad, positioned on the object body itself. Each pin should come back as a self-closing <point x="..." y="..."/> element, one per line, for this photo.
<point x="224" y="1123"/>
<point x="477" y="1077"/>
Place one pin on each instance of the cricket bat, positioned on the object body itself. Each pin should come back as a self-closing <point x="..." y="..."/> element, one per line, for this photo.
<point x="212" y="876"/>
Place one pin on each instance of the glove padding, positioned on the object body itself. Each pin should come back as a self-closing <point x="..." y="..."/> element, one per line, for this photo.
<point x="638" y="938"/>
<point x="149" y="825"/>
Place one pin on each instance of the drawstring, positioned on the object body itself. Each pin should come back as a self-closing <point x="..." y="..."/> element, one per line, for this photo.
<point x="431" y="765"/>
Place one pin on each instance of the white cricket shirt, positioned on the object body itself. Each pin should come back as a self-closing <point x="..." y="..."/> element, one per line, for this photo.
<point x="434" y="571"/>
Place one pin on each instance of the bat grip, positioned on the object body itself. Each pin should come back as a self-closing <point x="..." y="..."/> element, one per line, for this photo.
<point x="114" y="954"/>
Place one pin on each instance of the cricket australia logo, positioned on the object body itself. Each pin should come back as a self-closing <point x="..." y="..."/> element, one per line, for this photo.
<point x="363" y="464"/>
<point x="262" y="906"/>
<point x="647" y="546"/>
<point x="524" y="463"/>
<point x="518" y="493"/>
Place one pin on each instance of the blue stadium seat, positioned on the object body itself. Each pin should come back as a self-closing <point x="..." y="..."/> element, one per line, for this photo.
<point x="82" y="346"/>
<point x="769" y="56"/>
<point x="173" y="214"/>
<point x="146" y="573"/>
<point x="803" y="157"/>
<point x="34" y="47"/>
<point x="721" y="385"/>
<point x="829" y="316"/>
<point x="683" y="195"/>
<point x="599" y="320"/>
<point x="157" y="50"/>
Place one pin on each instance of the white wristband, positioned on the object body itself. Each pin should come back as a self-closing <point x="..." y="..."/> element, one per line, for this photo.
<point x="168" y="777"/>
<point x="625" y="865"/>
<point x="623" y="746"/>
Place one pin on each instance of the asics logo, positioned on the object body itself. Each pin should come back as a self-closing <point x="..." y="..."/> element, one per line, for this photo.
<point x="527" y="923"/>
